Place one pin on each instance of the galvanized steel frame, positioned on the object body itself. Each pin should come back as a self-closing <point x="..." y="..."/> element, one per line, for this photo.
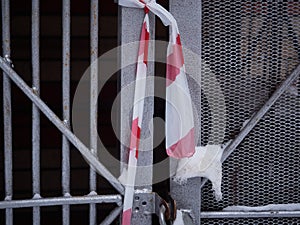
<point x="35" y="43"/>
<point x="239" y="214"/>
<point x="68" y="137"/>
<point x="37" y="202"/>
<point x="66" y="107"/>
<point x="60" y="125"/>
<point x="7" y="117"/>
<point x="130" y="21"/>
<point x="188" y="196"/>
<point x="63" y="125"/>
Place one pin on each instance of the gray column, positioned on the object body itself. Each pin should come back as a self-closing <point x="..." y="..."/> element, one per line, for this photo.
<point x="188" y="16"/>
<point x="131" y="21"/>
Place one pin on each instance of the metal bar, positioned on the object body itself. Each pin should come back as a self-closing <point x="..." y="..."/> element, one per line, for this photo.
<point x="35" y="51"/>
<point x="62" y="201"/>
<point x="188" y="196"/>
<point x="7" y="112"/>
<point x="112" y="216"/>
<point x="66" y="27"/>
<point x="259" y="115"/>
<point x="131" y="21"/>
<point x="93" y="99"/>
<point x="161" y="215"/>
<point x="100" y="168"/>
<point x="238" y="214"/>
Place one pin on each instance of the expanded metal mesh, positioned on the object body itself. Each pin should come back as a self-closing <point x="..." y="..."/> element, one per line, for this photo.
<point x="251" y="47"/>
<point x="259" y="221"/>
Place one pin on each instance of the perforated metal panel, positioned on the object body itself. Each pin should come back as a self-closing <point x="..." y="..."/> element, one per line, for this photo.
<point x="261" y="221"/>
<point x="251" y="47"/>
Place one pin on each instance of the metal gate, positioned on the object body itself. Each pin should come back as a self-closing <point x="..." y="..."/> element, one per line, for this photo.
<point x="253" y="50"/>
<point x="65" y="200"/>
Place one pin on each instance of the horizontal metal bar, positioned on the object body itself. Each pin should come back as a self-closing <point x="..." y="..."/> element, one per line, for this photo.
<point x="258" y="116"/>
<point x="99" y="167"/>
<point x="112" y="216"/>
<point x="238" y="214"/>
<point x="62" y="201"/>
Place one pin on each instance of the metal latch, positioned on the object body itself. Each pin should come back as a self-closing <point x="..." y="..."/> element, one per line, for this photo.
<point x="147" y="202"/>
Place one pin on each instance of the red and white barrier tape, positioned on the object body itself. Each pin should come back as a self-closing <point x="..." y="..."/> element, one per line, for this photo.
<point x="179" y="113"/>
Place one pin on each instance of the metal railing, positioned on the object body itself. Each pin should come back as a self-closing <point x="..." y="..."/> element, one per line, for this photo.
<point x="63" y="124"/>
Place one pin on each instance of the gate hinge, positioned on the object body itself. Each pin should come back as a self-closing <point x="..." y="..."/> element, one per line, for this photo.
<point x="147" y="202"/>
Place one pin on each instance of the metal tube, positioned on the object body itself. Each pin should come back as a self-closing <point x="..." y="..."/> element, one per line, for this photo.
<point x="93" y="99"/>
<point x="66" y="27"/>
<point x="7" y="112"/>
<point x="99" y="167"/>
<point x="61" y="201"/>
<point x="238" y="214"/>
<point x="161" y="216"/>
<point x="35" y="50"/>
<point x="189" y="196"/>
<point x="259" y="115"/>
<point x="112" y="216"/>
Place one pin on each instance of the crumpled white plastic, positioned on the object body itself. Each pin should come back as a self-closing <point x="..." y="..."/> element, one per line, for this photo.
<point x="206" y="162"/>
<point x="183" y="218"/>
<point x="179" y="219"/>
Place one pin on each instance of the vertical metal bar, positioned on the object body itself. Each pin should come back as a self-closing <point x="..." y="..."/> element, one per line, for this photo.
<point x="35" y="50"/>
<point x="93" y="99"/>
<point x="188" y="196"/>
<point x="99" y="167"/>
<point x="7" y="112"/>
<point x="131" y="21"/>
<point x="66" y="54"/>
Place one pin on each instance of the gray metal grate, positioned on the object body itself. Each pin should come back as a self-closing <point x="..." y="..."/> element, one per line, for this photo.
<point x="251" y="47"/>
<point x="263" y="169"/>
<point x="260" y="221"/>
